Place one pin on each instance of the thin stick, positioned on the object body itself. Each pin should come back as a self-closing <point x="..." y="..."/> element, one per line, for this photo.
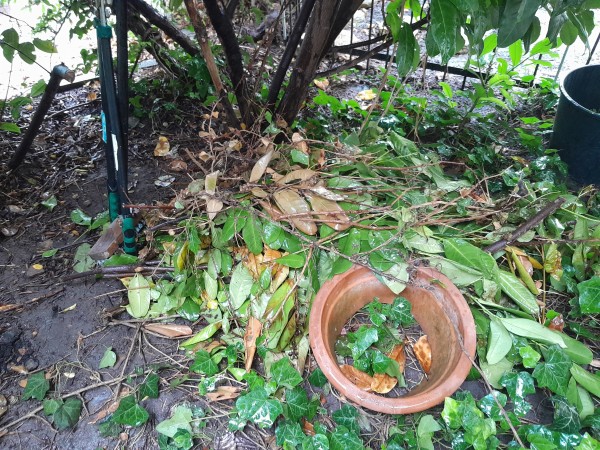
<point x="526" y="226"/>
<point x="7" y="308"/>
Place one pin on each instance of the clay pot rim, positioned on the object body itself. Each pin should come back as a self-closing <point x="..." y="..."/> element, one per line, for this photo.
<point x="402" y="405"/>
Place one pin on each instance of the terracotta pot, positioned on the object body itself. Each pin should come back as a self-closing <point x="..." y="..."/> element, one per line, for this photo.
<point x="439" y="308"/>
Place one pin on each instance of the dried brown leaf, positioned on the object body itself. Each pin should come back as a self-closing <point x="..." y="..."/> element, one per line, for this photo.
<point x="297" y="175"/>
<point x="162" y="147"/>
<point x="223" y="393"/>
<point x="308" y="428"/>
<point x="253" y="330"/>
<point x="558" y="323"/>
<point x="178" y="165"/>
<point x="333" y="214"/>
<point x="361" y="380"/>
<point x="169" y="330"/>
<point x="382" y="383"/>
<point x="260" y="167"/>
<point x="290" y="203"/>
<point x="422" y="351"/>
<point x="272" y="210"/>
<point x="399" y="355"/>
<point x="322" y="84"/>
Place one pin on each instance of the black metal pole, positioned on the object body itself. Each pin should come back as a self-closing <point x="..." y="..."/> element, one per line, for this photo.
<point x="59" y="73"/>
<point x="122" y="76"/>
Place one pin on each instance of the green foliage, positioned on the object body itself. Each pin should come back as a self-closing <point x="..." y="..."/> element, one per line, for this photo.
<point x="37" y="386"/>
<point x="130" y="413"/>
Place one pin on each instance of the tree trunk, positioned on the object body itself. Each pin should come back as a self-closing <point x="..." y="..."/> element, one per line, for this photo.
<point x="318" y="38"/>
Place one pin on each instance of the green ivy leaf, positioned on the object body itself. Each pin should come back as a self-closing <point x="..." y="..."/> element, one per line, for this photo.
<point x="530" y="356"/>
<point x="554" y="372"/>
<point x="109" y="359"/>
<point x="149" y="388"/>
<point x="588" y="443"/>
<point x="518" y="386"/>
<point x="80" y="218"/>
<point x="347" y="416"/>
<point x="51" y="405"/>
<point x="130" y="413"/>
<point x="82" y="259"/>
<point x="67" y="414"/>
<point x="284" y="374"/>
<point x="361" y="340"/>
<point x="37" y="386"/>
<point x="317" y="378"/>
<point x="204" y="364"/>
<point x="566" y="417"/>
<point x="317" y="442"/>
<point x="289" y="433"/>
<point x="297" y="403"/>
<point x="399" y="312"/>
<point x="589" y="296"/>
<point x="427" y="426"/>
<point x="252" y="233"/>
<point x="344" y="439"/>
<point x="257" y="407"/>
<point x="180" y="420"/>
<point x="109" y="428"/>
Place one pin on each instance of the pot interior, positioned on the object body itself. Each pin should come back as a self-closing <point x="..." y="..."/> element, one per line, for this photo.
<point x="428" y="308"/>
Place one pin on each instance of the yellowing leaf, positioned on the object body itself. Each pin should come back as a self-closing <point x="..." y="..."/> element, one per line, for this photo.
<point x="162" y="147"/>
<point x="382" y="383"/>
<point x="169" y="330"/>
<point x="422" y="351"/>
<point x="138" y="293"/>
<point x="366" y="95"/>
<point x="322" y="84"/>
<point x="213" y="206"/>
<point x="360" y="379"/>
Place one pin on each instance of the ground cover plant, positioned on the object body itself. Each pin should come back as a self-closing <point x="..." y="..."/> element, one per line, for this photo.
<point x="228" y="269"/>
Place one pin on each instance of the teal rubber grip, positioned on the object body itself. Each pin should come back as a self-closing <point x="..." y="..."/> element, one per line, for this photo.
<point x="129" y="246"/>
<point x="113" y="206"/>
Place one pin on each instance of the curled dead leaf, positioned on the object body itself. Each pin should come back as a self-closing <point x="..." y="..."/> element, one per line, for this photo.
<point x="399" y="355"/>
<point x="253" y="330"/>
<point x="292" y="204"/>
<point x="223" y="393"/>
<point x="308" y="428"/>
<point x="178" y="165"/>
<point x="213" y="206"/>
<point x="322" y="83"/>
<point x="361" y="380"/>
<point x="162" y="147"/>
<point x="169" y="330"/>
<point x="422" y="351"/>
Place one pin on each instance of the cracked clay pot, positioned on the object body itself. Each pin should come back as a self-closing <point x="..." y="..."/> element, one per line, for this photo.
<point x="439" y="308"/>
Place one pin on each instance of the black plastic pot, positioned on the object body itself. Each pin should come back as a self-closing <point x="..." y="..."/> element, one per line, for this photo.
<point x="577" y="125"/>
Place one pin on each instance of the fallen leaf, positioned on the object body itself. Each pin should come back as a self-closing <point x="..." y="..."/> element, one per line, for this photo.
<point x="223" y="393"/>
<point x="258" y="192"/>
<point x="557" y="323"/>
<point x="308" y="428"/>
<point x="366" y="95"/>
<point x="162" y="147"/>
<point x="8" y="232"/>
<point x="331" y="213"/>
<point x="399" y="355"/>
<point x="19" y="369"/>
<point x="382" y="383"/>
<point x="70" y="308"/>
<point x="204" y="156"/>
<point x="91" y="96"/>
<point x="271" y="255"/>
<point x="169" y="330"/>
<point x="213" y="206"/>
<point x="164" y="180"/>
<point x="252" y="263"/>
<point x="322" y="84"/>
<point x="260" y="167"/>
<point x="210" y="182"/>
<point x="278" y="278"/>
<point x="300" y="143"/>
<point x="290" y="203"/>
<point x="297" y="175"/>
<point x="178" y="165"/>
<point x="23" y="383"/>
<point x="526" y="262"/>
<point x="234" y="145"/>
<point x="207" y="346"/>
<point x="37" y="266"/>
<point x="111" y="408"/>
<point x="253" y="330"/>
<point x="360" y="379"/>
<point x="422" y="351"/>
<point x="272" y="210"/>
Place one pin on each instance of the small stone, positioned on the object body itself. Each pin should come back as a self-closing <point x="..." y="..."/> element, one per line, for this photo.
<point x="31" y="364"/>
<point x="87" y="202"/>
